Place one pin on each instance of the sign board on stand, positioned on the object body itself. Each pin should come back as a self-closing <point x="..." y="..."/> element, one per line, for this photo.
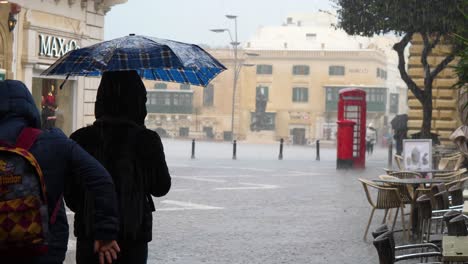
<point x="417" y="154"/>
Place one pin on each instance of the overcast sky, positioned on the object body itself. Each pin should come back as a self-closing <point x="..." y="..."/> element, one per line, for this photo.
<point x="190" y="20"/>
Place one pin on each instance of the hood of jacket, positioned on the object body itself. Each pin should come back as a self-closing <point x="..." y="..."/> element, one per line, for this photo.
<point x="121" y="95"/>
<point x="17" y="109"/>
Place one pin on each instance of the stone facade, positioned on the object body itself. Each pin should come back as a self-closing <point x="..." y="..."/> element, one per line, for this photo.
<point x="445" y="117"/>
<point x="44" y="31"/>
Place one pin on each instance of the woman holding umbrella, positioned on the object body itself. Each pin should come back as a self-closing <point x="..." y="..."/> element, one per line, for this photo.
<point x="134" y="157"/>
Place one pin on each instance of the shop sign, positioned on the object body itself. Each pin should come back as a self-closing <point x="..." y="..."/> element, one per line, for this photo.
<point x="358" y="70"/>
<point x="50" y="46"/>
<point x="299" y="115"/>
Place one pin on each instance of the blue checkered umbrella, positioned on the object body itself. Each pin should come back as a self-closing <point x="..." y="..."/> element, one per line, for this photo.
<point x="153" y="58"/>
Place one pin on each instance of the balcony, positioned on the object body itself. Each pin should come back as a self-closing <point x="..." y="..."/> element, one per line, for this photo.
<point x="170" y="102"/>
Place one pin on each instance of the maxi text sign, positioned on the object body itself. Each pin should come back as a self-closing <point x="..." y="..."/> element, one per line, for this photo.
<point x="50" y="46"/>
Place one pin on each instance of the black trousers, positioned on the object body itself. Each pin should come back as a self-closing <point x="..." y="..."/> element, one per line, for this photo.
<point x="131" y="252"/>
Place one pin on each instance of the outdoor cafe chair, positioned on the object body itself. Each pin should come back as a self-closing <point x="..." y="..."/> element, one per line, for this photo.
<point x="424" y="218"/>
<point x="405" y="192"/>
<point x="406" y="174"/>
<point x="399" y="161"/>
<point x="450" y="176"/>
<point x="387" y="198"/>
<point x="386" y="249"/>
<point x="451" y="163"/>
<point x="460" y="182"/>
<point x="456" y="195"/>
<point x="457" y="226"/>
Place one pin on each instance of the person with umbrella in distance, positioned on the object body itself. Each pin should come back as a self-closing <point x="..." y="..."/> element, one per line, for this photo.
<point x="400" y="129"/>
<point x="133" y="155"/>
<point x="371" y="138"/>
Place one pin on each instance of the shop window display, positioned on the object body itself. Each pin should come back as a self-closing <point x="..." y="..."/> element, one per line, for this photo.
<point x="55" y="104"/>
<point x="48" y="107"/>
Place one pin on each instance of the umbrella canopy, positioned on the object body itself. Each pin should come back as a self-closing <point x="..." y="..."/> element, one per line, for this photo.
<point x="400" y="122"/>
<point x="153" y="59"/>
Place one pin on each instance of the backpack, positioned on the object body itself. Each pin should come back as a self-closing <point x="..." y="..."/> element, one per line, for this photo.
<point x="24" y="217"/>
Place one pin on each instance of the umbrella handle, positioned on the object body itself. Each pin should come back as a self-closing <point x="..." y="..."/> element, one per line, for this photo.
<point x="66" y="78"/>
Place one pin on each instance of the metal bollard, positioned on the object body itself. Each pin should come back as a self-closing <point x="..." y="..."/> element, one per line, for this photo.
<point x="317" y="147"/>
<point x="193" y="148"/>
<point x="234" y="150"/>
<point x="280" y="156"/>
<point x="390" y="155"/>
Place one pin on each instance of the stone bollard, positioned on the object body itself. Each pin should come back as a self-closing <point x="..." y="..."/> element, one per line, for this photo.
<point x="317" y="147"/>
<point x="234" y="150"/>
<point x="193" y="148"/>
<point x="280" y="156"/>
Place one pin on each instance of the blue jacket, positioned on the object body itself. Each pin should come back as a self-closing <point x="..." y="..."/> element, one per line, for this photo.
<point x="59" y="158"/>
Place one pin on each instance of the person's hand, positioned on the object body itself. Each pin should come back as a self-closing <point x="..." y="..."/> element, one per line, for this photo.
<point x="107" y="250"/>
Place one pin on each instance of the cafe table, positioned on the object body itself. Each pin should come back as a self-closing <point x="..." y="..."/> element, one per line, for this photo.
<point x="454" y="249"/>
<point x="414" y="183"/>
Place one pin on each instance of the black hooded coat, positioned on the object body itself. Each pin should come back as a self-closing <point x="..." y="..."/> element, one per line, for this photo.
<point x="132" y="154"/>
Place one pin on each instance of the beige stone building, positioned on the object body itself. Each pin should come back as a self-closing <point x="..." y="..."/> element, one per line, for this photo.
<point x="301" y="86"/>
<point x="445" y="116"/>
<point x="300" y="67"/>
<point x="43" y="31"/>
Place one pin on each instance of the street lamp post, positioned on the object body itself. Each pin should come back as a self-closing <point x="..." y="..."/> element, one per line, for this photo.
<point x="235" y="45"/>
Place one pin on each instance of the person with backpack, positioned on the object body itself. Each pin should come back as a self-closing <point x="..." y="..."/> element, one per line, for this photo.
<point x="35" y="166"/>
<point x="134" y="157"/>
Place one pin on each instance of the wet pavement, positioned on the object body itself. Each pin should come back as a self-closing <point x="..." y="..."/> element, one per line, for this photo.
<point x="258" y="209"/>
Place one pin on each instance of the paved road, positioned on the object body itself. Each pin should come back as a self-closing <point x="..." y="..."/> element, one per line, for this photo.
<point x="257" y="209"/>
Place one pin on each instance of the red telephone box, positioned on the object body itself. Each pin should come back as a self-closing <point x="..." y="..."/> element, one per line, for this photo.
<point x="352" y="106"/>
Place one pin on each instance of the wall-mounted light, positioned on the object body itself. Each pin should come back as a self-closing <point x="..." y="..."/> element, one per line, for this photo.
<point x="3" y="2"/>
<point x="11" y="22"/>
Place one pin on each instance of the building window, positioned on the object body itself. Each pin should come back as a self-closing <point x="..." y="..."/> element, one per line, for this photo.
<point x="381" y="73"/>
<point x="208" y="95"/>
<point x="185" y="86"/>
<point x="263" y="89"/>
<point x="300" y="70"/>
<point x="160" y="86"/>
<point x="394" y="97"/>
<point x="169" y="102"/>
<point x="300" y="94"/>
<point x="208" y="132"/>
<point x="264" y="69"/>
<point x="183" y="131"/>
<point x="336" y="70"/>
<point x="311" y="36"/>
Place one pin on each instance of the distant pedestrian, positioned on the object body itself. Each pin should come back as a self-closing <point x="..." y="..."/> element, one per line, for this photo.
<point x="135" y="158"/>
<point x="58" y="158"/>
<point x="371" y="137"/>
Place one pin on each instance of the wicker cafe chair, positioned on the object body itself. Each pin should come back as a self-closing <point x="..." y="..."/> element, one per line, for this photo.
<point x="387" y="198"/>
<point x="424" y="217"/>
<point x="450" y="176"/>
<point x="457" y="226"/>
<point x="385" y="245"/>
<point x="456" y="195"/>
<point x="405" y="192"/>
<point x="451" y="163"/>
<point x="406" y="174"/>
<point x="460" y="182"/>
<point x="399" y="162"/>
